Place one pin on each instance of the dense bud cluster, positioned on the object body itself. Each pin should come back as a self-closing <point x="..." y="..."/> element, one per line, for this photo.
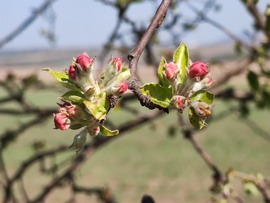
<point x="183" y="84"/>
<point x="87" y="102"/>
<point x="197" y="79"/>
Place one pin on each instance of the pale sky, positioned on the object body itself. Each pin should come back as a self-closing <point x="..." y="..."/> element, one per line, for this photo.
<point x="87" y="23"/>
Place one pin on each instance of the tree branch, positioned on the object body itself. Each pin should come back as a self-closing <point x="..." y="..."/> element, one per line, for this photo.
<point x="134" y="56"/>
<point x="26" y="23"/>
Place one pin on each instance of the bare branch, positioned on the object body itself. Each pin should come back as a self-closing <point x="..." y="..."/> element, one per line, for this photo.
<point x="135" y="54"/>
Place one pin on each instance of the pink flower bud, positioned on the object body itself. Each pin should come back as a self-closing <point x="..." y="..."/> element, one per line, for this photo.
<point x="201" y="108"/>
<point x="198" y="70"/>
<point x="94" y="131"/>
<point x="72" y="72"/>
<point x="171" y="71"/>
<point x="118" y="89"/>
<point x="61" y="121"/>
<point x="72" y="111"/>
<point x="122" y="87"/>
<point x="75" y="112"/>
<point x="178" y="102"/>
<point x="84" y="61"/>
<point x="117" y="63"/>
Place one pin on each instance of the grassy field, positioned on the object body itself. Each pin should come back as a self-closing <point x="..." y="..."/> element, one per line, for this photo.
<point x="147" y="160"/>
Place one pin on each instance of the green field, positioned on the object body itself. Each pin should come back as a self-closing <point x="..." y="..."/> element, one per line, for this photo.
<point x="147" y="159"/>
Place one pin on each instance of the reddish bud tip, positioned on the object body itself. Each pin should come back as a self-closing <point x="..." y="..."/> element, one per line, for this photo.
<point x="122" y="87"/>
<point x="61" y="121"/>
<point x="84" y="61"/>
<point x="178" y="102"/>
<point x="94" y="131"/>
<point x="72" y="72"/>
<point x="171" y="71"/>
<point x="117" y="63"/>
<point x="198" y="70"/>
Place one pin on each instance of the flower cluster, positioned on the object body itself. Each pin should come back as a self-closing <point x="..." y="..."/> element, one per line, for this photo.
<point x="197" y="79"/>
<point x="183" y="84"/>
<point x="88" y="100"/>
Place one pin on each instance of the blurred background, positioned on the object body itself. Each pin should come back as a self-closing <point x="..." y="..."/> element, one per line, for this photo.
<point x="153" y="154"/>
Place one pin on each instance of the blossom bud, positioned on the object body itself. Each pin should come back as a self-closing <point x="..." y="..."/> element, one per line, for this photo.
<point x="72" y="72"/>
<point x="204" y="83"/>
<point x="79" y="140"/>
<point x="201" y="108"/>
<point x="61" y="121"/>
<point x="94" y="131"/>
<point x="116" y="63"/>
<point x="118" y="89"/>
<point x="178" y="102"/>
<point x="75" y="112"/>
<point x="122" y="88"/>
<point x="84" y="61"/>
<point x="113" y="68"/>
<point x="171" y="71"/>
<point x="198" y="70"/>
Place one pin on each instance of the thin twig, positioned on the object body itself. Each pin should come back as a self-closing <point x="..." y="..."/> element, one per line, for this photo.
<point x="189" y="134"/>
<point x="26" y="22"/>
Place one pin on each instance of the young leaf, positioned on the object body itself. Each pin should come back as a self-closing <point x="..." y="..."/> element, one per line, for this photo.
<point x="250" y="188"/>
<point x="95" y="109"/>
<point x="161" y="76"/>
<point x="181" y="58"/>
<point x="108" y="132"/>
<point x="195" y="120"/>
<point x="124" y="75"/>
<point x="62" y="79"/>
<point x="158" y="94"/>
<point x="253" y="81"/>
<point x="74" y="96"/>
<point x="203" y="96"/>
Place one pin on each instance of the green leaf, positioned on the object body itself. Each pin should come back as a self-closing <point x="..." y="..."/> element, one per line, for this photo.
<point x="98" y="111"/>
<point x="108" y="132"/>
<point x="158" y="94"/>
<point x="195" y="120"/>
<point x="124" y="74"/>
<point x="161" y="76"/>
<point x="250" y="188"/>
<point x="62" y="79"/>
<point x="203" y="96"/>
<point x="98" y="106"/>
<point x="74" y="96"/>
<point x="181" y="58"/>
<point x="253" y="80"/>
<point x="266" y="97"/>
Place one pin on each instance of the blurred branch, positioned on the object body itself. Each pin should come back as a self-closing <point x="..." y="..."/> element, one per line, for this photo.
<point x="10" y="135"/>
<point x="26" y="22"/>
<point x="89" y="149"/>
<point x="204" y="17"/>
<point x="189" y="134"/>
<point x="256" y="128"/>
<point x="233" y="71"/>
